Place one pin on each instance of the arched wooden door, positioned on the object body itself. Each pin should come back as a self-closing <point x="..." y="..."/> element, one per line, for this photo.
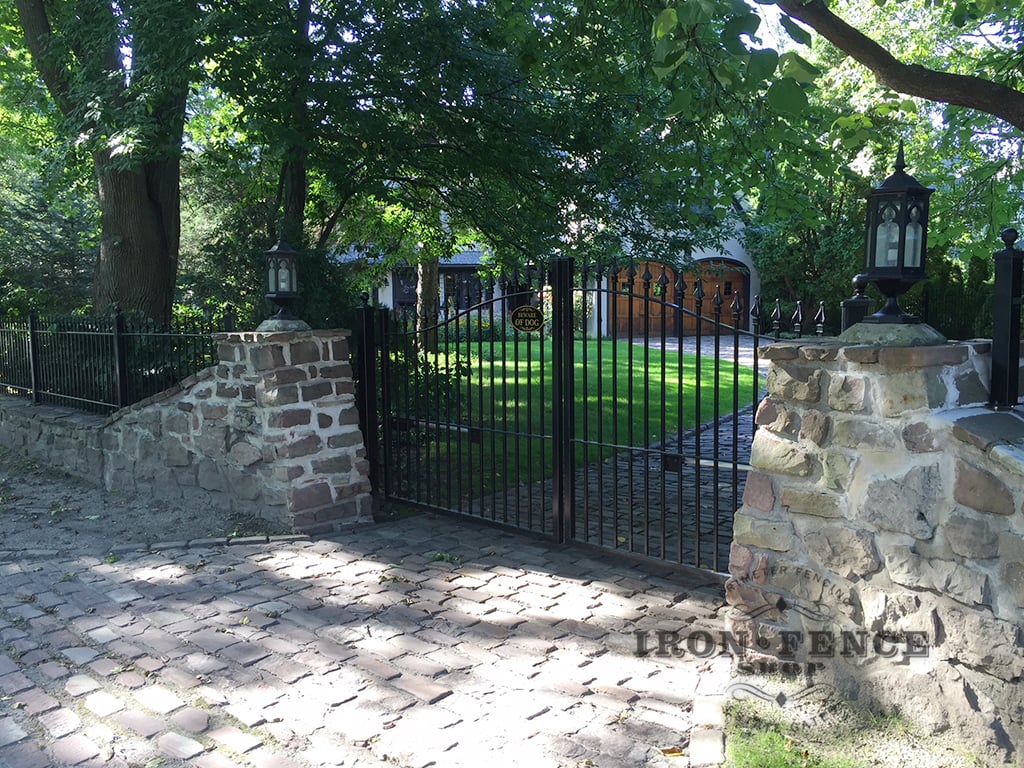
<point x="634" y="314"/>
<point x="727" y="276"/>
<point x="631" y="312"/>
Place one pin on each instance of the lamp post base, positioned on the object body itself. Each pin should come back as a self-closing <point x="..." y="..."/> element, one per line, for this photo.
<point x="891" y="312"/>
<point x="283" y="320"/>
<point x="279" y="325"/>
<point x="902" y="319"/>
<point x="892" y="334"/>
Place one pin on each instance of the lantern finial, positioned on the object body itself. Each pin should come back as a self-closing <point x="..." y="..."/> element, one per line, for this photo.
<point x="901" y="163"/>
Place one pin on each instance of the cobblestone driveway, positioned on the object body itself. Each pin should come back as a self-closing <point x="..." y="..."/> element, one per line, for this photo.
<point x="420" y="642"/>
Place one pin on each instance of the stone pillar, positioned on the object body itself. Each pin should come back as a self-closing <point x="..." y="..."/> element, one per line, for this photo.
<point x="881" y="544"/>
<point x="271" y="431"/>
<point x="288" y="401"/>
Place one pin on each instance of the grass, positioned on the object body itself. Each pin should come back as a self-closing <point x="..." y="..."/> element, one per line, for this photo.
<point x="479" y="416"/>
<point x="837" y="735"/>
<point x="759" y="736"/>
<point x="771" y="749"/>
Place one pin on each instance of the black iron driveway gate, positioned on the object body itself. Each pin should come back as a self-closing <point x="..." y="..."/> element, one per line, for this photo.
<point x="630" y="444"/>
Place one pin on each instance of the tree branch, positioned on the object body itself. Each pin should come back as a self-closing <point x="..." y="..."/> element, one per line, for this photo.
<point x="911" y="79"/>
<point x="36" y="24"/>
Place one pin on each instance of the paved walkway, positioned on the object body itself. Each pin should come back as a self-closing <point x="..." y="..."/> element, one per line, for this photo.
<point x="426" y="641"/>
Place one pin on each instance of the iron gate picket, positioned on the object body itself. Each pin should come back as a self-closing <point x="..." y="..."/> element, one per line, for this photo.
<point x="571" y="431"/>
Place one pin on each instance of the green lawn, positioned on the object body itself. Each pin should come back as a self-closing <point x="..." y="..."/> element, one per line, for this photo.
<point x="479" y="415"/>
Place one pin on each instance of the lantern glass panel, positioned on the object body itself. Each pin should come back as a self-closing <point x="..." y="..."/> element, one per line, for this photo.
<point x="887" y="238"/>
<point x="272" y="275"/>
<point x="915" y="236"/>
<point x="284" y="277"/>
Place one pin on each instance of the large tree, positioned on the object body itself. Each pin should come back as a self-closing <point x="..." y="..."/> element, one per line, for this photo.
<point x="533" y="132"/>
<point x="120" y="75"/>
<point x="509" y="120"/>
<point x="45" y="208"/>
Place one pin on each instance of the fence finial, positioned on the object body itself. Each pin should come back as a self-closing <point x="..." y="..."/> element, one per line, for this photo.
<point x="797" y="320"/>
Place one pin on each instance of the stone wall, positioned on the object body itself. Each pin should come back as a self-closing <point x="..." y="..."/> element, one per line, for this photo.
<point x="271" y="431"/>
<point x="880" y="544"/>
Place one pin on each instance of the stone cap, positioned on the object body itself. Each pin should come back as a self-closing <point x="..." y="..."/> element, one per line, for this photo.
<point x="50" y="413"/>
<point x="984" y="428"/>
<point x="249" y="337"/>
<point x="827" y="349"/>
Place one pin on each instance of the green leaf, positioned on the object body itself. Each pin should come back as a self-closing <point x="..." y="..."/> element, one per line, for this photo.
<point x="787" y="96"/>
<point x="692" y="12"/>
<point x="725" y="74"/>
<point x="680" y="102"/>
<point x="761" y="64"/>
<point x="795" y="31"/>
<point x="665" y="22"/>
<point x="668" y="55"/>
<point x="665" y="49"/>
<point x="798" y="68"/>
<point x="908" y="105"/>
<point x="735" y="28"/>
<point x="746" y="24"/>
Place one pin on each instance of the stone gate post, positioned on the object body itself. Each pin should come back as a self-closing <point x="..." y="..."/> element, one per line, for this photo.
<point x="881" y="537"/>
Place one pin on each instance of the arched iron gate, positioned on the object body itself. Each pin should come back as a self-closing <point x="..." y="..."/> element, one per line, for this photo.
<point x="637" y="444"/>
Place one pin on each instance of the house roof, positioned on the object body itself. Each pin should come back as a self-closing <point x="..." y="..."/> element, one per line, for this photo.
<point x="471" y="257"/>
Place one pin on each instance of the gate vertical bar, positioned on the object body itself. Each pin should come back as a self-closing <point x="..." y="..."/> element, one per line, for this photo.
<point x="756" y="317"/>
<point x="698" y="296"/>
<point x="734" y="485"/>
<point x="716" y="310"/>
<point x="1006" y="308"/>
<point x="562" y="400"/>
<point x="384" y="330"/>
<point x="647" y="277"/>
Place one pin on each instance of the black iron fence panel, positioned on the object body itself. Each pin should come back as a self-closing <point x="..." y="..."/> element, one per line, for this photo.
<point x="624" y="420"/>
<point x="664" y="437"/>
<point x="102" y="363"/>
<point x="465" y="410"/>
<point x="1007" y="301"/>
<point x="15" y="359"/>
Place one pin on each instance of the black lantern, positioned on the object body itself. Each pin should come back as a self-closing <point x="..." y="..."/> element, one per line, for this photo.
<point x="282" y="279"/>
<point x="897" y="238"/>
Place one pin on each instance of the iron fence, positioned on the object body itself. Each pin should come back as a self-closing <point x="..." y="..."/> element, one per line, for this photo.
<point x="102" y="363"/>
<point x="624" y="421"/>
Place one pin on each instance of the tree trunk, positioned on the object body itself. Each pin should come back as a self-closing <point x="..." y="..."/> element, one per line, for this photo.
<point x="139" y="201"/>
<point x="294" y="186"/>
<point x="294" y="176"/>
<point x="140" y="231"/>
<point x="427" y="302"/>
